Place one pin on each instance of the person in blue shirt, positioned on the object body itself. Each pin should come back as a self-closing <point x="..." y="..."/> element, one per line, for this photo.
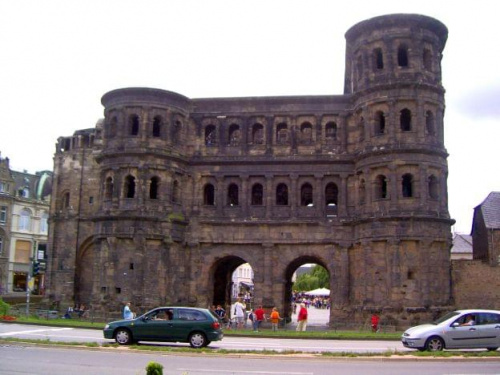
<point x="127" y="313"/>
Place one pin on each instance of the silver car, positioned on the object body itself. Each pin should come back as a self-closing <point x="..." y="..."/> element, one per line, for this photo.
<point x="461" y="329"/>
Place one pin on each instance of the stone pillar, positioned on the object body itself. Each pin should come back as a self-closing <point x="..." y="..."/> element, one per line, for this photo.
<point x="269" y="196"/>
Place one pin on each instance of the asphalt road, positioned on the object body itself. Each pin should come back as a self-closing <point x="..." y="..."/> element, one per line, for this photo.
<point x="66" y="334"/>
<point x="25" y="359"/>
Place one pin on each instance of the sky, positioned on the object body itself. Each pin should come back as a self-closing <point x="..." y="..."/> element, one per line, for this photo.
<point x="57" y="59"/>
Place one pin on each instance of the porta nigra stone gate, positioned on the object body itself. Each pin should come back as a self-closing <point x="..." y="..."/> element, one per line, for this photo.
<point x="167" y="195"/>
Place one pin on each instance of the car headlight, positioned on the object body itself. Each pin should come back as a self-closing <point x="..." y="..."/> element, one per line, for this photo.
<point x="406" y="334"/>
<point x="106" y="326"/>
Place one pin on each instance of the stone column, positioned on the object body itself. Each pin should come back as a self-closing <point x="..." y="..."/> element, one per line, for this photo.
<point x="269" y="196"/>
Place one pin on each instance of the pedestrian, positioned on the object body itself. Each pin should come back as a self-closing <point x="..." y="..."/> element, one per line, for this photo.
<point x="302" y="318"/>
<point x="239" y="313"/>
<point x="127" y="313"/>
<point x="221" y="313"/>
<point x="260" y="316"/>
<point x="375" y="319"/>
<point x="275" y="319"/>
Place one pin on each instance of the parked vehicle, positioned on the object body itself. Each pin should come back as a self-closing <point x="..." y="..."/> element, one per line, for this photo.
<point x="196" y="326"/>
<point x="461" y="329"/>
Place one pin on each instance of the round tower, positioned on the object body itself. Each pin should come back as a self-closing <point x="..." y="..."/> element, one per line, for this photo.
<point x="402" y="230"/>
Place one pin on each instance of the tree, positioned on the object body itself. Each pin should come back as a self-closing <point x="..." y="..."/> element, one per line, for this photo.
<point x="318" y="277"/>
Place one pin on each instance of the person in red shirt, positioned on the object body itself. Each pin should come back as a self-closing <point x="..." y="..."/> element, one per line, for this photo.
<point x="302" y="318"/>
<point x="259" y="317"/>
<point x="375" y="322"/>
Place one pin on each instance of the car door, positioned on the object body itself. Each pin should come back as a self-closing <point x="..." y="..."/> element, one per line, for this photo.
<point x="488" y="330"/>
<point x="459" y="335"/>
<point x="154" y="326"/>
<point x="190" y="320"/>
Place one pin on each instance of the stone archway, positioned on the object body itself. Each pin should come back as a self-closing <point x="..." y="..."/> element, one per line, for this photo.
<point x="289" y="271"/>
<point x="222" y="271"/>
<point x="84" y="274"/>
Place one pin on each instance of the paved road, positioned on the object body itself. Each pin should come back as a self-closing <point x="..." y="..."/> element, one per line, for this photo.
<point x="229" y="342"/>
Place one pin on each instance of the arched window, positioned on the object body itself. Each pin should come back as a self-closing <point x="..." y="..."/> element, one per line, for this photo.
<point x="108" y="188"/>
<point x="44" y="223"/>
<point x="306" y="195"/>
<point x="234" y="135"/>
<point x="210" y="135"/>
<point x="381" y="187"/>
<point x="154" y="187"/>
<point x="65" y="200"/>
<point x="306" y="133"/>
<point x="257" y="195"/>
<point x="176" y="193"/>
<point x="129" y="187"/>
<point x="378" y="59"/>
<point x="282" y="195"/>
<point x="25" y="220"/>
<point x="157" y="126"/>
<point x="258" y="134"/>
<point x="232" y="195"/>
<point x="405" y="120"/>
<point x="430" y="126"/>
<point x="331" y="194"/>
<point x="209" y="195"/>
<point x="427" y="59"/>
<point x="433" y="187"/>
<point x="282" y="134"/>
<point x="331" y="130"/>
<point x="403" y="56"/>
<point x="134" y="125"/>
<point x="379" y="123"/>
<point x="407" y="185"/>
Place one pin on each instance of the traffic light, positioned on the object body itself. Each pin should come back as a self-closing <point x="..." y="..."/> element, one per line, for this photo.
<point x="36" y="268"/>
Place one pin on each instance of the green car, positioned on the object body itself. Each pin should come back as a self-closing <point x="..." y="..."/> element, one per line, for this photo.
<point x="196" y="326"/>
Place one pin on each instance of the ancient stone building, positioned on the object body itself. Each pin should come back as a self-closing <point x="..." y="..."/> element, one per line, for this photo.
<point x="165" y="197"/>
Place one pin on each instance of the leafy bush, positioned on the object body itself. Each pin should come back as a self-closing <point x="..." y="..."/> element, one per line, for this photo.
<point x="4" y="307"/>
<point x="154" y="368"/>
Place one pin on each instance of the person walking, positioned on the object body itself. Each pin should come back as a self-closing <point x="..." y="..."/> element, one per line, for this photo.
<point x="239" y="313"/>
<point x="375" y="320"/>
<point x="259" y="318"/>
<point x="127" y="313"/>
<point x="302" y="318"/>
<point x="275" y="319"/>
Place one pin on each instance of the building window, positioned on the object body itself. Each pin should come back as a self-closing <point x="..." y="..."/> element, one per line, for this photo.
<point x="4" y="187"/>
<point x="234" y="135"/>
<point x="44" y="223"/>
<point x="306" y="133"/>
<point x="210" y="135"/>
<point x="3" y="215"/>
<point x="331" y="194"/>
<point x="433" y="187"/>
<point x="232" y="195"/>
<point x="379" y="123"/>
<point x="24" y="192"/>
<point x="25" y="220"/>
<point x="176" y="192"/>
<point x="176" y="136"/>
<point x="257" y="195"/>
<point x="258" y="134"/>
<point x="331" y="131"/>
<point x="1" y="245"/>
<point x="378" y="59"/>
<point x="405" y="120"/>
<point x="362" y="191"/>
<point x="306" y="195"/>
<point x="407" y="185"/>
<point x="157" y="126"/>
<point x="23" y="251"/>
<point x="282" y="195"/>
<point x="282" y="134"/>
<point x="427" y="59"/>
<point x="154" y="187"/>
<point x="129" y="186"/>
<point x="403" y="56"/>
<point x="381" y="187"/>
<point x="65" y="200"/>
<point x="209" y="195"/>
<point x="134" y="125"/>
<point x="108" y="188"/>
<point x="361" y="128"/>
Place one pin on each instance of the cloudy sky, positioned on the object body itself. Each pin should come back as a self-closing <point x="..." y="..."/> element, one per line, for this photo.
<point x="59" y="57"/>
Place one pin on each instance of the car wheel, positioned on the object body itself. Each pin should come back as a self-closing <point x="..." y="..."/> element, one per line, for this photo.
<point x="492" y="349"/>
<point x="123" y="336"/>
<point x="197" y="340"/>
<point x="434" y="344"/>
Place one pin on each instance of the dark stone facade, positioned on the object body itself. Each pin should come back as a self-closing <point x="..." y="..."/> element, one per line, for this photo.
<point x="164" y="198"/>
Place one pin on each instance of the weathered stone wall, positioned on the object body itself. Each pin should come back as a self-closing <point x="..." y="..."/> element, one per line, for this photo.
<point x="476" y="284"/>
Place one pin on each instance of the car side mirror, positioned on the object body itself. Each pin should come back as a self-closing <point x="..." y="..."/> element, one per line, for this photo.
<point x="454" y="325"/>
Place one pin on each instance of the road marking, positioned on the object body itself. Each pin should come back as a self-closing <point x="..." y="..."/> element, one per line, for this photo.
<point x="245" y="372"/>
<point x="34" y="331"/>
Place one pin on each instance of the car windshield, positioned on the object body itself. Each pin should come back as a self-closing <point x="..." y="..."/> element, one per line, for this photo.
<point x="446" y="317"/>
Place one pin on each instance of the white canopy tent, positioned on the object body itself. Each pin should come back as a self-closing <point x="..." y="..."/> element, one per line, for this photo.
<point x="318" y="292"/>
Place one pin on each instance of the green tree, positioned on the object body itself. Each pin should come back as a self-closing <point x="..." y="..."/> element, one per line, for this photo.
<point x="317" y="278"/>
